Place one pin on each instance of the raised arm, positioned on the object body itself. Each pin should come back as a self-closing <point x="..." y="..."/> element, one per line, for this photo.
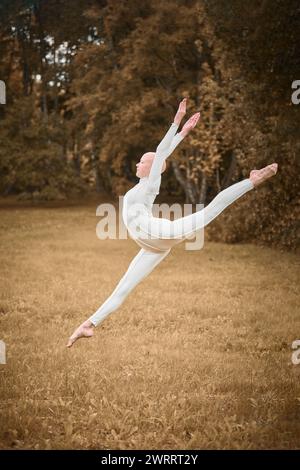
<point x="176" y="141"/>
<point x="161" y="154"/>
<point x="165" y="148"/>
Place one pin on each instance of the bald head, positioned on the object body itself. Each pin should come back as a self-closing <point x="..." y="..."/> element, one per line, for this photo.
<point x="145" y="163"/>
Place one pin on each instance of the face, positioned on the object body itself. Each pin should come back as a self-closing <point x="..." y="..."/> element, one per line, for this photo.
<point x="143" y="167"/>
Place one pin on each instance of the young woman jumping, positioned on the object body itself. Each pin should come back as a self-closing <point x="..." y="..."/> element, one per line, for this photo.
<point x="156" y="236"/>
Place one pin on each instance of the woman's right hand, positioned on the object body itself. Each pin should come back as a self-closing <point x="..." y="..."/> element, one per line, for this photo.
<point x="190" y="124"/>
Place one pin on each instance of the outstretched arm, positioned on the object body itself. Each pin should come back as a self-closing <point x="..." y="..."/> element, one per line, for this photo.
<point x="189" y="125"/>
<point x="176" y="141"/>
<point x="165" y="148"/>
<point x="162" y="153"/>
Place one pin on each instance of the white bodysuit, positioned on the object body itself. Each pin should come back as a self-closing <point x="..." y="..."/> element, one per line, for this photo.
<point x="149" y="232"/>
<point x="156" y="236"/>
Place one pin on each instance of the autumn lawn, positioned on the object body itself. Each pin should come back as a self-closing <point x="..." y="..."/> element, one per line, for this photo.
<point x="198" y="356"/>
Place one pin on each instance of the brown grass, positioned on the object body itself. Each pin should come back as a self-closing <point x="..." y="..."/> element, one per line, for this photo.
<point x="198" y="356"/>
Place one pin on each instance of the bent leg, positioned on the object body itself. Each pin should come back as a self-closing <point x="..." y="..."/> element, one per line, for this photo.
<point x="142" y="265"/>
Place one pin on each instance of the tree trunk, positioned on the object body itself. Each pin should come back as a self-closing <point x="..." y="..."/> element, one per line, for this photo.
<point x="76" y="156"/>
<point x="37" y="12"/>
<point x="229" y="174"/>
<point x="97" y="174"/>
<point x="203" y="190"/>
<point x="21" y="25"/>
<point x="187" y="185"/>
<point x="55" y="68"/>
<point x="98" y="186"/>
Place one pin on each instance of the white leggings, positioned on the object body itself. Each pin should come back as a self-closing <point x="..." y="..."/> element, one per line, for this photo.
<point x="145" y="261"/>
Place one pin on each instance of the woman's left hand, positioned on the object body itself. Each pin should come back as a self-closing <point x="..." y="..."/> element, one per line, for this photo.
<point x="190" y="124"/>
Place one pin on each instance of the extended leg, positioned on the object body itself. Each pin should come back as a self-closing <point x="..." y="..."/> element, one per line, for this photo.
<point x="142" y="265"/>
<point x="226" y="197"/>
<point x="180" y="228"/>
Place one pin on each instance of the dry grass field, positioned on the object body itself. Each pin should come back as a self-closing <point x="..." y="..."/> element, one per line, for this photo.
<point x="198" y="356"/>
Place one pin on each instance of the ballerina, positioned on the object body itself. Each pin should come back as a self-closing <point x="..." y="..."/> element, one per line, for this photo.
<point x="157" y="236"/>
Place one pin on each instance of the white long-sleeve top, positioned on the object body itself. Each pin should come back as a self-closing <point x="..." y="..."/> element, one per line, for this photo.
<point x="139" y="199"/>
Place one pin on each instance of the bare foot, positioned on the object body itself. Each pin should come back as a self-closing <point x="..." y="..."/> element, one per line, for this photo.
<point x="85" y="330"/>
<point x="258" y="176"/>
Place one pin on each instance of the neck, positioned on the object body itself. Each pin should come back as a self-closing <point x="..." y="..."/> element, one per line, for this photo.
<point x="144" y="178"/>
